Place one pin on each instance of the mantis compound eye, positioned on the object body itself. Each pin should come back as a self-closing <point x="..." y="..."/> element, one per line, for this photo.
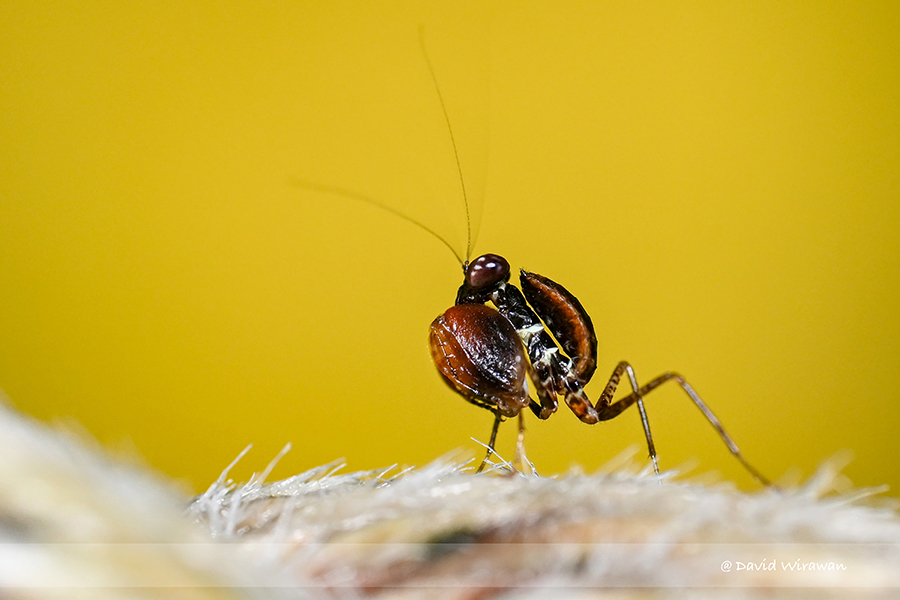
<point x="487" y="270"/>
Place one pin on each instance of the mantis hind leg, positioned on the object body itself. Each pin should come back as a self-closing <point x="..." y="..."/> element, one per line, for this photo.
<point x="612" y="410"/>
<point x="605" y="409"/>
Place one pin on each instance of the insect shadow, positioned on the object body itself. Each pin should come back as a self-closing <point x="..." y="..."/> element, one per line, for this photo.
<point x="538" y="331"/>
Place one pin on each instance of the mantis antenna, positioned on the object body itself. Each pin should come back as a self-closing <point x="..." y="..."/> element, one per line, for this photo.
<point x="339" y="191"/>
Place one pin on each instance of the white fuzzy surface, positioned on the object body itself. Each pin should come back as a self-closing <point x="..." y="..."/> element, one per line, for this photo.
<point x="75" y="524"/>
<point x="451" y="533"/>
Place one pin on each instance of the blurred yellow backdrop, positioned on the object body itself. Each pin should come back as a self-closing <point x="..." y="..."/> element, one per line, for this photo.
<point x="718" y="183"/>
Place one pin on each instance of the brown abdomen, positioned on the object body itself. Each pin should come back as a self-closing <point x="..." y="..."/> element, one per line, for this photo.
<point x="565" y="318"/>
<point x="480" y="355"/>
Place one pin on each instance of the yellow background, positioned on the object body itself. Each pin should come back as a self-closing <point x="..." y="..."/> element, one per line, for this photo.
<point x="718" y="183"/>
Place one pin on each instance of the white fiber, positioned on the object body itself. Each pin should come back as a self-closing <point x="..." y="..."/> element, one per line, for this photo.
<point x="74" y="523"/>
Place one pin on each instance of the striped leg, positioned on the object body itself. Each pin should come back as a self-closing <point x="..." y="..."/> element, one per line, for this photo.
<point x="578" y="401"/>
<point x="607" y="410"/>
